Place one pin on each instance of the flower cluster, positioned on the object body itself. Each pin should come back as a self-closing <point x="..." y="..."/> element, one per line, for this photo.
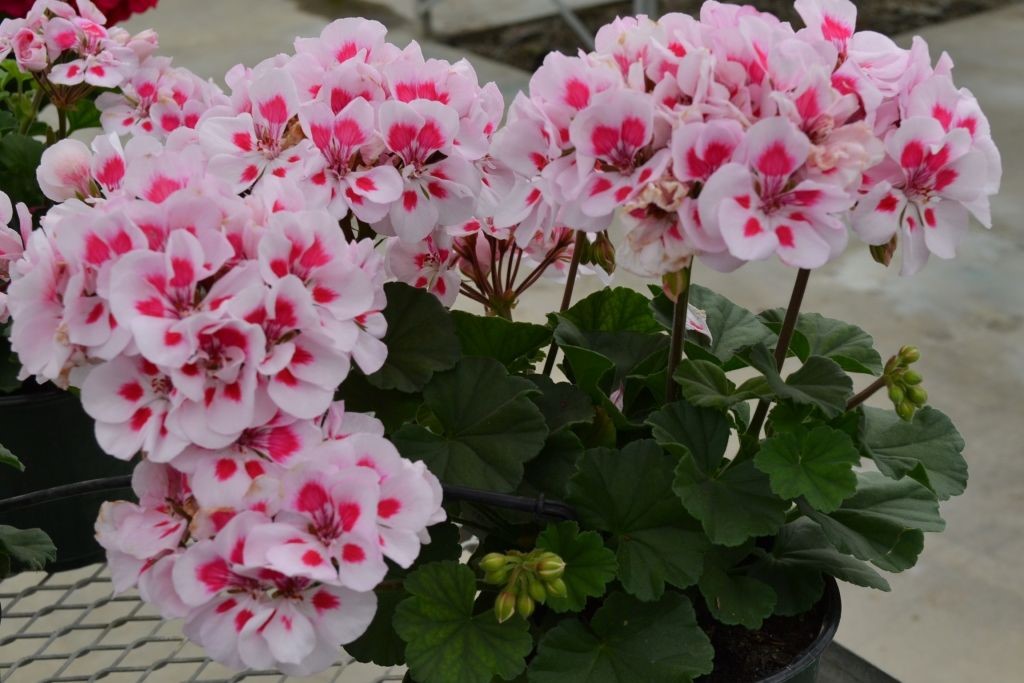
<point x="115" y="10"/>
<point x="270" y="549"/>
<point x="68" y="46"/>
<point x="733" y="137"/>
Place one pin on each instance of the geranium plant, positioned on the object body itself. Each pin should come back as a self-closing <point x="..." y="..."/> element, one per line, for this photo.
<point x="252" y="290"/>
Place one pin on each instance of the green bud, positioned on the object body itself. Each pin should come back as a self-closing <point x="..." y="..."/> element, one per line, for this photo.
<point x="525" y="605"/>
<point x="905" y="410"/>
<point x="911" y="377"/>
<point x="896" y="394"/>
<point x="505" y="606"/>
<point x="492" y="562"/>
<point x="557" y="588"/>
<point x="918" y="396"/>
<point x="550" y="566"/>
<point x="910" y="354"/>
<point x="498" y="577"/>
<point x="536" y="589"/>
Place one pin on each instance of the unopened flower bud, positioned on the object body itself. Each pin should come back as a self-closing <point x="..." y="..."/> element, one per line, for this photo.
<point x="911" y="378"/>
<point x="602" y="253"/>
<point x="536" y="589"/>
<point x="525" y="605"/>
<point x="882" y="253"/>
<point x="505" y="606"/>
<point x="905" y="410"/>
<point x="557" y="588"/>
<point x="917" y="395"/>
<point x="896" y="394"/>
<point x="496" y="578"/>
<point x="492" y="562"/>
<point x="910" y="354"/>
<point x="551" y="566"/>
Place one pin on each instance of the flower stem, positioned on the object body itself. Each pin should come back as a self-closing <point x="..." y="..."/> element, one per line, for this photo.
<point x="867" y="393"/>
<point x="675" y="350"/>
<point x="62" y="123"/>
<point x="574" y="266"/>
<point x="782" y="347"/>
<point x="37" y="102"/>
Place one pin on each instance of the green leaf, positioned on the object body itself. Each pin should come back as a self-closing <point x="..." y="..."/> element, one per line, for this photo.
<point x="801" y="544"/>
<point x="735" y="599"/>
<point x="562" y="404"/>
<point x="627" y="641"/>
<point x="19" y="159"/>
<point x="589" y="566"/>
<point x="379" y="643"/>
<point x="421" y="339"/>
<point x="616" y="309"/>
<point x="705" y="385"/>
<point x="883" y="522"/>
<point x="817" y="464"/>
<point x="683" y="429"/>
<point x="83" y="115"/>
<point x="445" y="641"/>
<point x="850" y="346"/>
<point x="392" y="407"/>
<point x="550" y="471"/>
<point x="929" y="440"/>
<point x="512" y="344"/>
<point x="732" y="505"/>
<point x="796" y="589"/>
<point x="10" y="459"/>
<point x="28" y="548"/>
<point x="732" y="327"/>
<point x="628" y="494"/>
<point x="819" y="382"/>
<point x="489" y="426"/>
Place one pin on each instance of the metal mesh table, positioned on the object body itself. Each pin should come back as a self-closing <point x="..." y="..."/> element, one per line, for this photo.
<point x="59" y="628"/>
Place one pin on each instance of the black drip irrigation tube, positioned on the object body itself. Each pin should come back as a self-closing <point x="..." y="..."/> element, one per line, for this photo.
<point x="540" y="506"/>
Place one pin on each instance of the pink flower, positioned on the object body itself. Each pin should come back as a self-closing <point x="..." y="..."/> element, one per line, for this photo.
<point x="762" y="206"/>
<point x="429" y="265"/>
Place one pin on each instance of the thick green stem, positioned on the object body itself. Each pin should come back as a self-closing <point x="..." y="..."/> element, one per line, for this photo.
<point x="867" y="393"/>
<point x="675" y="349"/>
<point x="62" y="123"/>
<point x="782" y="347"/>
<point x="574" y="266"/>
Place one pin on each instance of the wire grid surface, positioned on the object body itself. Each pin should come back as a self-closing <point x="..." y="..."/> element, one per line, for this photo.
<point x="60" y="628"/>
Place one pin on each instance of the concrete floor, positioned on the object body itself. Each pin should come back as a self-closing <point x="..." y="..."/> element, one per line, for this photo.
<point x="958" y="615"/>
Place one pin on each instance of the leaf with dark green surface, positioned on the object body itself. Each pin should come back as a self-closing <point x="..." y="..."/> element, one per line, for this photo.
<point x="617" y="309"/>
<point x="512" y="344"/>
<point x="380" y="643"/>
<point x="445" y="641"/>
<point x="627" y="641"/>
<point x="19" y="159"/>
<point x="848" y="345"/>
<point x="732" y="327"/>
<point x="561" y="403"/>
<point x="421" y="339"/>
<point x="83" y="115"/>
<point x="704" y="384"/>
<point x="589" y="566"/>
<point x="489" y="426"/>
<point x="817" y="464"/>
<point x="682" y="428"/>
<point x="796" y="589"/>
<point x="10" y="459"/>
<point x="628" y="494"/>
<point x="550" y="471"/>
<point x="732" y="505"/>
<point x="28" y="548"/>
<point x="929" y="441"/>
<point x="392" y="407"/>
<point x="883" y="522"/>
<point x="733" y="598"/>
<point x="801" y="544"/>
<point x="819" y="382"/>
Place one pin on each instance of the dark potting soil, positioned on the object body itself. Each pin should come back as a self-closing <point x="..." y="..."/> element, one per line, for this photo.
<point x="524" y="45"/>
<point x="743" y="656"/>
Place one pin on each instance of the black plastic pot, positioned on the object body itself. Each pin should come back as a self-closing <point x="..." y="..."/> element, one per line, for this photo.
<point x="804" y="669"/>
<point x="51" y="434"/>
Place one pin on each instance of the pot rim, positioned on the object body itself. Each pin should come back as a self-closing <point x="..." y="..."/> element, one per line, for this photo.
<point x="813" y="652"/>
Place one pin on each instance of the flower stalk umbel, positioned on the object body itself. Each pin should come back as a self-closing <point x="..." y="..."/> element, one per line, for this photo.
<point x="251" y="288"/>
